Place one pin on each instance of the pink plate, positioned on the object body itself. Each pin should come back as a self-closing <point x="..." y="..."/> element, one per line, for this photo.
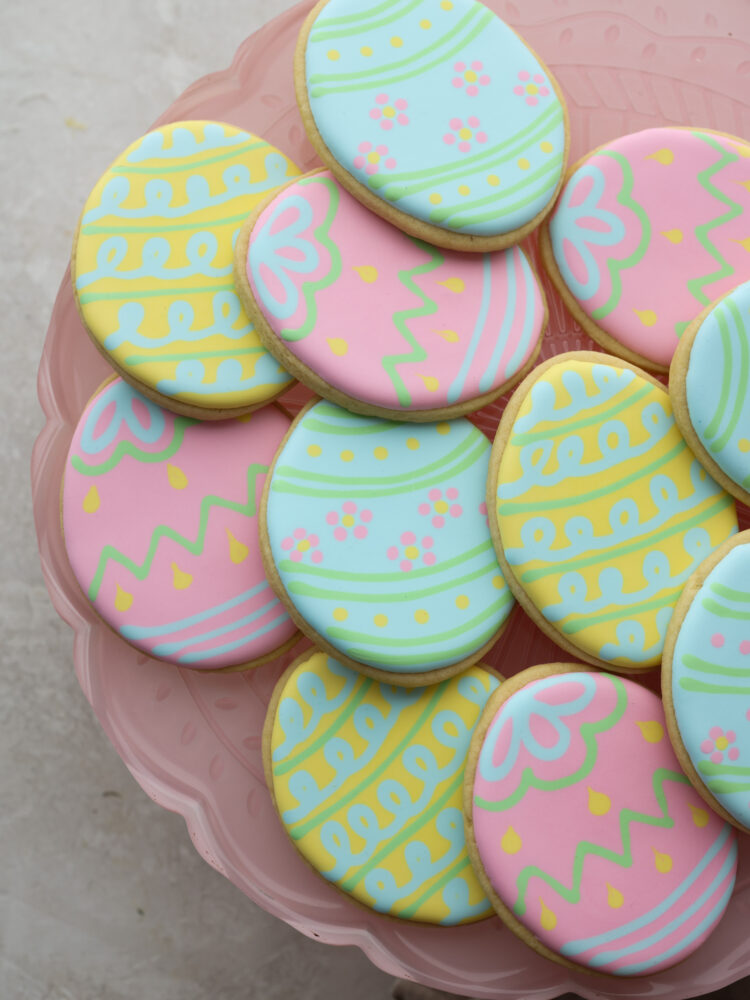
<point x="193" y="740"/>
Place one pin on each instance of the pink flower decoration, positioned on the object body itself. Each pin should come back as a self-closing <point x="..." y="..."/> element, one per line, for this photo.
<point x="718" y="741"/>
<point x="372" y="158"/>
<point x="346" y="521"/>
<point x="531" y="90"/>
<point x="300" y="543"/>
<point x="439" y="507"/>
<point x="388" y="113"/>
<point x="471" y="77"/>
<point x="409" y="552"/>
<point x="464" y="133"/>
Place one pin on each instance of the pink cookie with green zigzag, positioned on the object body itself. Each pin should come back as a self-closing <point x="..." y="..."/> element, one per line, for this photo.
<point x="649" y="230"/>
<point x="160" y="521"/>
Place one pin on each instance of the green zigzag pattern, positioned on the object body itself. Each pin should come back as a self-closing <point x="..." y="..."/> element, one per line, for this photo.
<point x="109" y="552"/>
<point x="586" y="848"/>
<point x="126" y="448"/>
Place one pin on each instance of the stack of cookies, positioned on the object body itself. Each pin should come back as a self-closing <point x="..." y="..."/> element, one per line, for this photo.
<point x="210" y="528"/>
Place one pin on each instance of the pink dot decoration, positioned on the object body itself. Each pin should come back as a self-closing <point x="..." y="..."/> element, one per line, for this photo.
<point x="296" y="556"/>
<point x="435" y="494"/>
<point x="734" y="753"/>
<point x="349" y="507"/>
<point x="366" y="516"/>
<point x="459" y="67"/>
<point x="438" y="521"/>
<point x="317" y="557"/>
<point x="524" y="75"/>
<point x="518" y="90"/>
<point x="457" y="81"/>
<point x="381" y="99"/>
<point x="359" y="162"/>
<point x="456" y="123"/>
<point x="340" y="534"/>
<point x="717" y="640"/>
<point x="452" y="493"/>
<point x="531" y="101"/>
<point x="464" y="146"/>
<point x="299" y="532"/>
<point x="538" y="78"/>
<point x="408" y="538"/>
<point x="392" y="552"/>
<point x="707" y="746"/>
<point x="386" y="124"/>
<point x="429" y="558"/>
<point x="473" y="121"/>
<point x="543" y="91"/>
<point x="717" y="757"/>
<point x="381" y="149"/>
<point x="472" y="91"/>
<point x="375" y="113"/>
<point x="360" y="531"/>
<point x="731" y="735"/>
<point x="715" y="732"/>
<point x="401" y="104"/>
<point x="365" y="147"/>
<point x="481" y="137"/>
<point x="484" y="79"/>
<point x="287" y="544"/>
<point x="745" y="647"/>
<point x="483" y="508"/>
<point x="424" y="508"/>
<point x="332" y="517"/>
<point x="405" y="565"/>
<point x="449" y="139"/>
<point x="456" y="510"/>
<point x="427" y="542"/>
<point x="390" y="163"/>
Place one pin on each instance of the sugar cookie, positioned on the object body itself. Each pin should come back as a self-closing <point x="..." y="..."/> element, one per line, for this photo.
<point x="649" y="230"/>
<point x="435" y="115"/>
<point x="705" y="680"/>
<point x="368" y="781"/>
<point x="600" y="512"/>
<point x="159" y="515"/>
<point x="615" y="869"/>
<point x="709" y="382"/>
<point x="375" y="536"/>
<point x="152" y="267"/>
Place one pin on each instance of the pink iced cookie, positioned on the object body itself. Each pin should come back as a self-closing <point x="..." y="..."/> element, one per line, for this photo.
<point x="649" y="230"/>
<point x="590" y="840"/>
<point x="378" y="321"/>
<point x="160" y="520"/>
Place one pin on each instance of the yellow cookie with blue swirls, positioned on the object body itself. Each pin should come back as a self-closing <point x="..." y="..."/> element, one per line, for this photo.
<point x="367" y="779"/>
<point x="152" y="267"/>
<point x="600" y="511"/>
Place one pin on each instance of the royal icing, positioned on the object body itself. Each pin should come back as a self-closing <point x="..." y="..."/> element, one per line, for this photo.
<point x="717" y="385"/>
<point x="160" y="521"/>
<point x="603" y="511"/>
<point x="382" y="317"/>
<point x="711" y="681"/>
<point x="438" y="109"/>
<point x="153" y="264"/>
<point x="378" y="532"/>
<point x="652" y="228"/>
<point x="639" y="870"/>
<point x="368" y="779"/>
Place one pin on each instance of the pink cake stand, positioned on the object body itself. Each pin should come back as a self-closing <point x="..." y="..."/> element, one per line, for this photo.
<point x="192" y="740"/>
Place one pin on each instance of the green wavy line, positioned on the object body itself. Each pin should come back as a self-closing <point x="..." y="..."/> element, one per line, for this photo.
<point x="586" y="847"/>
<point x="364" y="15"/>
<point x="320" y="31"/>
<point x="126" y="448"/>
<point x="730" y="594"/>
<point x="726" y="376"/>
<point x="708" y="767"/>
<point x="723" y="612"/>
<point x="739" y="398"/>
<point x="688" y="684"/>
<point x="109" y="552"/>
<point x="695" y="285"/>
<point x="706" y="667"/>
<point x="616" y="266"/>
<point x="455" y="653"/>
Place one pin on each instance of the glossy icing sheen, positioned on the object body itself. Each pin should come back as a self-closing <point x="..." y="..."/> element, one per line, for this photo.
<point x="381" y="316"/>
<point x="651" y="229"/>
<point x="717" y="385"/>
<point x="154" y="257"/>
<point x="711" y="682"/>
<point x="602" y="509"/>
<point x="368" y="780"/>
<point x="379" y="534"/>
<point x="639" y="870"/>
<point x="438" y="108"/>
<point x="160" y="521"/>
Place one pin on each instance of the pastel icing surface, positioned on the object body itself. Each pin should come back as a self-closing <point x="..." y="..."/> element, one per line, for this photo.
<point x="438" y="108"/>
<point x="368" y="780"/>
<point x="651" y="229"/>
<point x="639" y="870"/>
<point x="378" y="531"/>
<point x="160" y="521"/>
<point x="381" y="316"/>
<point x="154" y="260"/>
<point x="717" y="385"/>
<point x="603" y="511"/>
<point x="711" y="682"/>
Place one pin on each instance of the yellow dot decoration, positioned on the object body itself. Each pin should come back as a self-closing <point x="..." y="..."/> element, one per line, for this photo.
<point x="421" y="617"/>
<point x="743" y="444"/>
<point x="663" y="156"/>
<point x="462" y="601"/>
<point x="380" y="453"/>
<point x="647" y="316"/>
<point x="123" y="599"/>
<point x="547" y="918"/>
<point x="463" y="189"/>
<point x="397" y="42"/>
<point x="238" y="551"/>
<point x="497" y="582"/>
<point x="599" y="803"/>
<point x="91" y="501"/>
<point x="338" y="346"/>
<point x="453" y="285"/>
<point x="662" y="862"/>
<point x="314" y="450"/>
<point x="180" y="579"/>
<point x="511" y="842"/>
<point x="493" y="180"/>
<point x="367" y="273"/>
<point x="443" y="427"/>
<point x="366" y="51"/>
<point x="546" y="147"/>
<point x="652" y="731"/>
<point x="700" y="816"/>
<point x="334" y="55"/>
<point x="381" y="620"/>
<point x="446" y="5"/>
<point x="435" y="198"/>
<point x="673" y="235"/>
<point x="615" y="898"/>
<point x="177" y="478"/>
<point x="523" y="163"/>
<point x="346" y="455"/>
<point x="425" y="24"/>
<point x="340" y="614"/>
<point x="412" y="444"/>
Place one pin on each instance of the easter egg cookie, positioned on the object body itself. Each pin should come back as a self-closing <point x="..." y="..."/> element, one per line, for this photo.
<point x="159" y="514"/>
<point x="615" y="869"/>
<point x="599" y="510"/>
<point x="378" y="321"/>
<point x="435" y="115"/>
<point x="649" y="230"/>
<point x="152" y="267"/>
<point x="368" y="782"/>
<point x="706" y="679"/>
<point x="375" y="536"/>
<point x="709" y="382"/>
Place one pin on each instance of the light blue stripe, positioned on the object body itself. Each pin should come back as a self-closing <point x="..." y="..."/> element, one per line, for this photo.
<point x="148" y="632"/>
<point x="458" y="383"/>
<point x="167" y="648"/>
<point x="515" y="362"/>
<point x="227" y="647"/>
<point x="485" y="382"/>
<point x="584" y="944"/>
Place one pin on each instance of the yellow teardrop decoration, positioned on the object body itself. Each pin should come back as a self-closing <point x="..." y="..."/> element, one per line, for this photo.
<point x="741" y="148"/>
<point x="237" y="551"/>
<point x="338" y="346"/>
<point x="745" y="244"/>
<point x="431" y="384"/>
<point x="647" y="316"/>
<point x="367" y="273"/>
<point x="123" y="599"/>
<point x="745" y="184"/>
<point x="177" y="478"/>
<point x="453" y="284"/>
<point x="548" y="920"/>
<point x="700" y="816"/>
<point x="511" y="842"/>
<point x="180" y="580"/>
<point x="615" y="898"/>
<point x="663" y="156"/>
<point x="673" y="235"/>
<point x="599" y="803"/>
<point x="652" y="732"/>
<point x="663" y="862"/>
<point x="449" y="335"/>
<point x="91" y="501"/>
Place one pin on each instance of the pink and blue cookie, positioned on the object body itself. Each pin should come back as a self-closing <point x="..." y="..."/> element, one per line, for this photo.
<point x="648" y="231"/>
<point x="435" y="115"/>
<point x="639" y="871"/>
<point x="706" y="680"/>
<point x="160" y="517"/>
<point x="379" y="321"/>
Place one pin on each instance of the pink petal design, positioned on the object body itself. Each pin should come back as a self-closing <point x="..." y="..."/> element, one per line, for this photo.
<point x="371" y="168"/>
<point x="381" y="149"/>
<point x="473" y="122"/>
<point x="456" y="510"/>
<point x="428" y="542"/>
<point x="392" y="552"/>
<point x="458" y="82"/>
<point x="317" y="556"/>
<point x="435" y="494"/>
<point x="544" y="91"/>
<point x="404" y="565"/>
<point x="538" y="78"/>
<point x="403" y="119"/>
<point x="401" y="104"/>
<point x="287" y="544"/>
<point x="733" y="753"/>
<point x="531" y="101"/>
<point x="429" y="559"/>
<point x="360" y="531"/>
<point x="375" y="113"/>
<point x="715" y="732"/>
<point x="459" y="67"/>
<point x="472" y="91"/>
<point x="524" y="75"/>
<point x="296" y="556"/>
<point x="717" y="757"/>
<point x="456" y="123"/>
<point x="340" y="534"/>
<point x="381" y="99"/>
<point x="484" y="80"/>
<point x="438" y="521"/>
<point x="731" y="735"/>
<point x="332" y="517"/>
<point x="313" y="540"/>
<point x="386" y="124"/>
<point x="299" y="532"/>
<point x="424" y="508"/>
<point x="481" y="137"/>
<point x="449" y="139"/>
<point x="464" y="146"/>
<point x="365" y="147"/>
<point x="359" y="162"/>
<point x="408" y="538"/>
<point x="349" y="507"/>
<point x="452" y="493"/>
<point x="707" y="746"/>
<point x="390" y="163"/>
<point x="476" y="65"/>
<point x="518" y="90"/>
<point x="366" y="516"/>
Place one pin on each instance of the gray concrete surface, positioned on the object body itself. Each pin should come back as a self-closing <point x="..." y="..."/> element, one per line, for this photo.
<point x="102" y="896"/>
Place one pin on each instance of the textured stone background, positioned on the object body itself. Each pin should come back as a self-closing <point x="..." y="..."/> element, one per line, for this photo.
<point x="102" y="896"/>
